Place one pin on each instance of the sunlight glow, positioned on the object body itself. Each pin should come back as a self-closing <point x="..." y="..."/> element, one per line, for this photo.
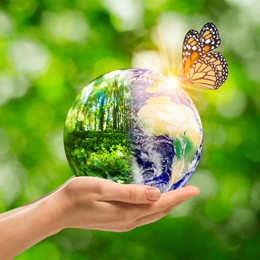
<point x="172" y="82"/>
<point x="167" y="37"/>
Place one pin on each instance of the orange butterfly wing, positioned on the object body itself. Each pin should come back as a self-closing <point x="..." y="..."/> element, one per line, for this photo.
<point x="217" y="59"/>
<point x="191" y="49"/>
<point x="201" y="66"/>
<point x="209" y="37"/>
<point x="204" y="74"/>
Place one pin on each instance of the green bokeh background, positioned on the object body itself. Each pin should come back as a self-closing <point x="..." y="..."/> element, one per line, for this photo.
<point x="50" y="49"/>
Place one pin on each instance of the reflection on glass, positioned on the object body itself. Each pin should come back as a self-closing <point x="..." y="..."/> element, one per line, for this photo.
<point x="96" y="134"/>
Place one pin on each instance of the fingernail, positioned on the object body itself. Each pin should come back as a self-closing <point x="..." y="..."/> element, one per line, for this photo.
<point x="153" y="193"/>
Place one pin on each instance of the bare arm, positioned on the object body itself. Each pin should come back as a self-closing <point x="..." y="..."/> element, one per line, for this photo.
<point x="13" y="211"/>
<point x="90" y="203"/>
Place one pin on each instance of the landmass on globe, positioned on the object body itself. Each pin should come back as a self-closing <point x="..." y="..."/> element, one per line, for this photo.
<point x="131" y="126"/>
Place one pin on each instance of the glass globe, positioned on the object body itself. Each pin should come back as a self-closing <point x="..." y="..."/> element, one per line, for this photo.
<point x="134" y="126"/>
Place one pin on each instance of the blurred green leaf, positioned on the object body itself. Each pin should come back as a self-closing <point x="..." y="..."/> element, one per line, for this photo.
<point x="51" y="49"/>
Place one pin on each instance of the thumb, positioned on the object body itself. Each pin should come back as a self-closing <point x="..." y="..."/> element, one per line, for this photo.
<point x="132" y="193"/>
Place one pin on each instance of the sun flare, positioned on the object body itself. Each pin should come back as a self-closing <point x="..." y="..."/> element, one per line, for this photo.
<point x="172" y="82"/>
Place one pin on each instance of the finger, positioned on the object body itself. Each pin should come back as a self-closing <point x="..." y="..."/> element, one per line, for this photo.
<point x="154" y="217"/>
<point x="171" y="198"/>
<point x="161" y="207"/>
<point x="166" y="201"/>
<point x="130" y="193"/>
<point x="107" y="190"/>
<point x="182" y="193"/>
<point x="149" y="219"/>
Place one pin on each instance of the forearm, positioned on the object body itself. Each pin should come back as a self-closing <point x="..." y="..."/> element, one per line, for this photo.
<point x="14" y="211"/>
<point x="89" y="203"/>
<point x="28" y="225"/>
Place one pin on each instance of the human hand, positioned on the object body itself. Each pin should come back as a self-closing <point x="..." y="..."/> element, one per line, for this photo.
<point x="94" y="203"/>
<point x="89" y="203"/>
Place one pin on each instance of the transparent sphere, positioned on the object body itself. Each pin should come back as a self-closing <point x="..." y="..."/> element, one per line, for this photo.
<point x="134" y="126"/>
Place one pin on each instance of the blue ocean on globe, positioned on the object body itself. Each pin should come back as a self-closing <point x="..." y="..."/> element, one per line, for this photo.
<point x="134" y="126"/>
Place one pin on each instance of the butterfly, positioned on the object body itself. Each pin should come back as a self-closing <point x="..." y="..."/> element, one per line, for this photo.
<point x="201" y="65"/>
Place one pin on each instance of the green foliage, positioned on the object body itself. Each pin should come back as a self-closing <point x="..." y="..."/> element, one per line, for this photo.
<point x="100" y="154"/>
<point x="50" y="49"/>
<point x="110" y="164"/>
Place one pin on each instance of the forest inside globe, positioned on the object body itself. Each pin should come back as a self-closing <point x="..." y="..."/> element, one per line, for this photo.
<point x="131" y="126"/>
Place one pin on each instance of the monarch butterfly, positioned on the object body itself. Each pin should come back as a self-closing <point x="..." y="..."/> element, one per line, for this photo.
<point x="201" y="65"/>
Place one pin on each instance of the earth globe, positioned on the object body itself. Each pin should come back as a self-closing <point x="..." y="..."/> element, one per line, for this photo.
<point x="134" y="126"/>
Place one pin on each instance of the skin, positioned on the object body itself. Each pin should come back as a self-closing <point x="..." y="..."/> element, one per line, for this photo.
<point x="88" y="203"/>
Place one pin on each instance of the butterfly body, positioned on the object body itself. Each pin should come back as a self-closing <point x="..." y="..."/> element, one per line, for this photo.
<point x="200" y="64"/>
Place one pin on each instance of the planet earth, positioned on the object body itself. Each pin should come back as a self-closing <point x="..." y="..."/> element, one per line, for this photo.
<point x="134" y="126"/>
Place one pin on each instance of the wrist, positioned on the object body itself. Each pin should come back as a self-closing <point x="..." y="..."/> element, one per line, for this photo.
<point x="29" y="226"/>
<point x="61" y="206"/>
<point x="53" y="211"/>
<point x="44" y="216"/>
